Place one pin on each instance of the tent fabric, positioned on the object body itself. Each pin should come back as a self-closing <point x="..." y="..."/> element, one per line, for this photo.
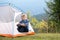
<point x="8" y="22"/>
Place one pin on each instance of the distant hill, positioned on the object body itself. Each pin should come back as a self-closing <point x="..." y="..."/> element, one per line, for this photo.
<point x="41" y="16"/>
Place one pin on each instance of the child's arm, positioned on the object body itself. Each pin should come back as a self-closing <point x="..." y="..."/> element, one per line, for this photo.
<point x="24" y="24"/>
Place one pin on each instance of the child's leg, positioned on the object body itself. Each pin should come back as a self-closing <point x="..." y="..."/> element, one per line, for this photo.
<point x="20" y="29"/>
<point x="25" y="29"/>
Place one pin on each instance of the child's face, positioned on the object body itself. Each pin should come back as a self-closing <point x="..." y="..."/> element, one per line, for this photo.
<point x="23" y="17"/>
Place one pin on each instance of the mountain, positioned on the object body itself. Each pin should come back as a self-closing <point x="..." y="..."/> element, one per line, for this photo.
<point x="41" y="16"/>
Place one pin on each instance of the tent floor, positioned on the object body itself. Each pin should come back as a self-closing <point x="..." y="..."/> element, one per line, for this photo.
<point x="13" y="36"/>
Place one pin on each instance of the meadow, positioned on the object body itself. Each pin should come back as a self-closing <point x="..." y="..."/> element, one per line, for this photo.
<point x="38" y="36"/>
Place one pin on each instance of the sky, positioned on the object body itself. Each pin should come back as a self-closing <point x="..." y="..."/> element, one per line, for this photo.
<point x="34" y="6"/>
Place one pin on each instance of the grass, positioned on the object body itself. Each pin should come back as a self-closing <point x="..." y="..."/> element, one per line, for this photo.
<point x="39" y="36"/>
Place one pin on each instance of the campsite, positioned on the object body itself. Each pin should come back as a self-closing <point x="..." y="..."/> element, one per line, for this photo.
<point x="29" y="20"/>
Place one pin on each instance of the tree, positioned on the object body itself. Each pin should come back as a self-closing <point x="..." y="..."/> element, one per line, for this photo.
<point x="43" y="26"/>
<point x="54" y="13"/>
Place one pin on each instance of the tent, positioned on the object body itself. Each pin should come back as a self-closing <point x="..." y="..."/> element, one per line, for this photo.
<point x="9" y="20"/>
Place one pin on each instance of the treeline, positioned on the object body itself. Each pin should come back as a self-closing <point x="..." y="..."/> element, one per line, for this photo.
<point x="43" y="26"/>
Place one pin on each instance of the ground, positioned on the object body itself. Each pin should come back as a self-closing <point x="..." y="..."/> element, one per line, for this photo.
<point x="39" y="36"/>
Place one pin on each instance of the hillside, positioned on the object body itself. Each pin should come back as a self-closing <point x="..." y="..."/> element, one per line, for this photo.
<point x="41" y="16"/>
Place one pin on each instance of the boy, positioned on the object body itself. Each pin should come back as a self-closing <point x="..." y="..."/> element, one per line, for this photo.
<point x="23" y="24"/>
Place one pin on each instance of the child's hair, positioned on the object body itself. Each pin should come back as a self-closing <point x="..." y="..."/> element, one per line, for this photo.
<point x="24" y="15"/>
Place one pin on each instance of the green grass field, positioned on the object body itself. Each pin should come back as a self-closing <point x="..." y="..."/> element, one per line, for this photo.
<point x="39" y="36"/>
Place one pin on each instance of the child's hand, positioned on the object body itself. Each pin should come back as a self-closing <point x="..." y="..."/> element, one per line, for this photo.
<point x="22" y="24"/>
